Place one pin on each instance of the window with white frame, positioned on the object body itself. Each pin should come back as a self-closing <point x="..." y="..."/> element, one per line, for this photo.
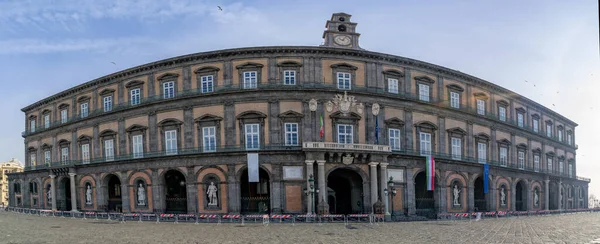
<point x="480" y="107"/>
<point x="84" y="110"/>
<point x="32" y="160"/>
<point x="47" y="157"/>
<point x="520" y="120"/>
<point x="138" y="146"/>
<point x="32" y="125"/>
<point x="109" y="150"/>
<point x="482" y="152"/>
<point x="425" y="143"/>
<point x="456" y="144"/>
<point x="289" y="77"/>
<point x="85" y="153"/>
<point x="503" y="155"/>
<point x="46" y="121"/>
<point x="560" y="135"/>
<point x="454" y="99"/>
<point x="250" y="79"/>
<point x="424" y="92"/>
<point x="209" y="139"/>
<point x="64" y="116"/>
<point x="171" y="142"/>
<point x="345" y="134"/>
<point x="569" y="139"/>
<point x="536" y="125"/>
<point x="521" y="159"/>
<point x="291" y="134"/>
<point x="502" y="113"/>
<point x="536" y="163"/>
<point x="135" y="96"/>
<point x="549" y="164"/>
<point x="393" y="85"/>
<point x="394" y="138"/>
<point x="252" y="133"/>
<point x="570" y="170"/>
<point x="207" y="83"/>
<point x="169" y="89"/>
<point x="548" y="130"/>
<point x="344" y="80"/>
<point x="64" y="155"/>
<point x="560" y="166"/>
<point x="107" y="103"/>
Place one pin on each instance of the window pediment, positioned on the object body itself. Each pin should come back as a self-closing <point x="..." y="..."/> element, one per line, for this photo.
<point x="107" y="91"/>
<point x="134" y="83"/>
<point x="249" y="65"/>
<point x="208" y="118"/>
<point x="63" y="106"/>
<point x="31" y="149"/>
<point x="136" y="127"/>
<point x="537" y="151"/>
<point x="393" y="72"/>
<point x="561" y="157"/>
<point x="46" y="111"/>
<point x="456" y="131"/>
<point x="343" y="66"/>
<point x="504" y="142"/>
<point x="455" y="87"/>
<point x="168" y="122"/>
<point x="560" y="127"/>
<point x="251" y="115"/>
<point x="549" y="122"/>
<point x="521" y="110"/>
<point x="340" y="115"/>
<point x="83" y="99"/>
<point x="207" y="69"/>
<point x="394" y="122"/>
<point x="84" y="138"/>
<point x="289" y="64"/>
<point x="31" y="117"/>
<point x="502" y="102"/>
<point x="550" y="154"/>
<point x="535" y="116"/>
<point x="522" y="146"/>
<point x="425" y="79"/>
<point x="63" y="142"/>
<point x="480" y="95"/>
<point x="107" y="133"/>
<point x="426" y="125"/>
<point x="168" y="76"/>
<point x="291" y="115"/>
<point x="482" y="136"/>
<point x="570" y="160"/>
<point x="45" y="146"/>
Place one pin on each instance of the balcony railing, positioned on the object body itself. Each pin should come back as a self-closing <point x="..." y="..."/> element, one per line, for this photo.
<point x="305" y="86"/>
<point x="342" y="146"/>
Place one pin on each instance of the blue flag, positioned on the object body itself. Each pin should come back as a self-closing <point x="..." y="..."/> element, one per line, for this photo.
<point x="486" y="175"/>
<point x="376" y="129"/>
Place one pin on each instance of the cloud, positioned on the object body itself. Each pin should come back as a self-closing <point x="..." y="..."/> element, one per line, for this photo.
<point x="37" y="46"/>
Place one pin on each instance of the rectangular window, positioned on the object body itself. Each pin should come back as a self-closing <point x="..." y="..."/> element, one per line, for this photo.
<point x="84" y="110"/>
<point x="109" y="150"/>
<point x="569" y="139"/>
<point x="209" y="139"/>
<point x="46" y="121"/>
<point x="536" y="125"/>
<point x="424" y="92"/>
<point x="291" y="134"/>
<point x="32" y="125"/>
<point x="345" y="134"/>
<point x="520" y="120"/>
<point x="548" y="130"/>
<point x="570" y="170"/>
<point x="394" y="135"/>
<point x="454" y="100"/>
<point x="393" y="85"/>
<point x="289" y="77"/>
<point x="560" y="167"/>
<point x="550" y="165"/>
<point x="207" y="83"/>
<point x="138" y="146"/>
<point x="64" y="116"/>
<point x="521" y="159"/>
<point x="107" y="103"/>
<point x="503" y="156"/>
<point x="425" y="143"/>
<point x="169" y="89"/>
<point x="47" y="157"/>
<point x="64" y="156"/>
<point x="32" y="159"/>
<point x="482" y="152"/>
<point x="502" y="113"/>
<point x="456" y="148"/>
<point x="343" y="81"/>
<point x="560" y="135"/>
<point x="85" y="153"/>
<point x="135" y="96"/>
<point x="252" y="136"/>
<point x="480" y="107"/>
<point x="536" y="163"/>
<point x="171" y="142"/>
<point x="250" y="79"/>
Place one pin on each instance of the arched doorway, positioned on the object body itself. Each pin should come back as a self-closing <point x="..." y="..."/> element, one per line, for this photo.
<point x="480" y="201"/>
<point x="346" y="195"/>
<point x="255" y="196"/>
<point x="63" y="202"/>
<point x="520" y="197"/>
<point x="424" y="201"/>
<point x="114" y="201"/>
<point x="175" y="192"/>
<point x="553" y="196"/>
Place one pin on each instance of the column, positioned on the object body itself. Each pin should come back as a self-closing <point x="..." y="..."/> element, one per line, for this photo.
<point x="470" y="194"/>
<point x="546" y="193"/>
<point x="309" y="197"/>
<point x="322" y="186"/>
<point x="373" y="184"/>
<point x="53" y="190"/>
<point x="73" y="193"/>
<point x="383" y="178"/>
<point x="560" y="197"/>
<point x="410" y="192"/>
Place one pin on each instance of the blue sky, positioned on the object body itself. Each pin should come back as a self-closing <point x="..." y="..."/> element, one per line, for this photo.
<point x="47" y="46"/>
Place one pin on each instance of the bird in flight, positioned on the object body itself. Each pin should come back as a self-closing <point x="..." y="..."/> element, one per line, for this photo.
<point x="220" y="9"/>
<point x="113" y="63"/>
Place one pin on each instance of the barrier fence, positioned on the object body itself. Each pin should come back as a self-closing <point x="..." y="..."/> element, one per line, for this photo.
<point x="277" y="218"/>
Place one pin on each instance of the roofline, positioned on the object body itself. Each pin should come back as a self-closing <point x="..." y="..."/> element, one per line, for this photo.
<point x="292" y="49"/>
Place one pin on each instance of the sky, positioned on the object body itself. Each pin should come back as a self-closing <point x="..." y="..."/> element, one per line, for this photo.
<point x="47" y="46"/>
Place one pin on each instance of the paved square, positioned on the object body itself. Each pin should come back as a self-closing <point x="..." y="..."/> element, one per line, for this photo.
<point x="569" y="228"/>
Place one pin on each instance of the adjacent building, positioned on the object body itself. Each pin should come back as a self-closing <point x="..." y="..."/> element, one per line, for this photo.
<point x="12" y="166"/>
<point x="294" y="129"/>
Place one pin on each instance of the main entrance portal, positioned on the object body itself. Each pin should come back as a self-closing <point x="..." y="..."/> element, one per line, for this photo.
<point x="115" y="203"/>
<point x="175" y="192"/>
<point x="345" y="192"/>
<point x="255" y="195"/>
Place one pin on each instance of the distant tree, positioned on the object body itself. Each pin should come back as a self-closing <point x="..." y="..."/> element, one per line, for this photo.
<point x="592" y="201"/>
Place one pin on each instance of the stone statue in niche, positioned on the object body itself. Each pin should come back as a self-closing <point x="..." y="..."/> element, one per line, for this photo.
<point x="456" y="195"/>
<point x="88" y="195"/>
<point x="141" y="194"/>
<point x="502" y="197"/>
<point x="536" y="199"/>
<point x="560" y="200"/>
<point x="212" y="194"/>
<point x="49" y="195"/>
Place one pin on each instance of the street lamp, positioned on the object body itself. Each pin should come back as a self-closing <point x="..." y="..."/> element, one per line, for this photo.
<point x="391" y="192"/>
<point x="311" y="191"/>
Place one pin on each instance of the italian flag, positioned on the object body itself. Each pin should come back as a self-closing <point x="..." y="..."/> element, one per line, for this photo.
<point x="430" y="171"/>
<point x="322" y="130"/>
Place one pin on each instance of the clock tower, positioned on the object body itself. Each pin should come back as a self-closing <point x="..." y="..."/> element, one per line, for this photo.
<point x="340" y="32"/>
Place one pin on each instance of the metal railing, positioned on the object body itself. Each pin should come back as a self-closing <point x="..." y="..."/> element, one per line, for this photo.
<point x="356" y="147"/>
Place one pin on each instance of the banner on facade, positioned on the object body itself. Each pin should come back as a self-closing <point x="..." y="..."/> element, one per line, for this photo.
<point x="486" y="175"/>
<point x="252" y="167"/>
<point x="430" y="171"/>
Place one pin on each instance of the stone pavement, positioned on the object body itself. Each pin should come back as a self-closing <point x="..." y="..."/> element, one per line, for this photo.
<point x="568" y="228"/>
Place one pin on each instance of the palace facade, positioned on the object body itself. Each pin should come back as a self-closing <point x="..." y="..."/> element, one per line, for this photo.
<point x="294" y="130"/>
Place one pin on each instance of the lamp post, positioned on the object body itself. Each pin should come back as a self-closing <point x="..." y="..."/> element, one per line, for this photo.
<point x="392" y="193"/>
<point x="311" y="191"/>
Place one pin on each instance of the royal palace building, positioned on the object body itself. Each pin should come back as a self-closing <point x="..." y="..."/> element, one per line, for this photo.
<point x="329" y="129"/>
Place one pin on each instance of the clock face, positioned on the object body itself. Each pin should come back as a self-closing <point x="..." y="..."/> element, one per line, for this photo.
<point x="342" y="40"/>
